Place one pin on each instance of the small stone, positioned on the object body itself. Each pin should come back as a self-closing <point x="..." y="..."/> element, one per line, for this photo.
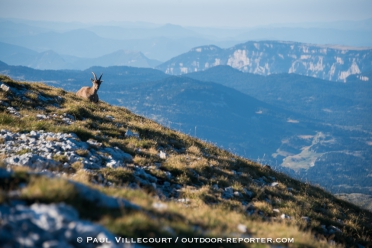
<point x="66" y="120"/>
<point x="274" y="184"/>
<point x="275" y="210"/>
<point x="42" y="117"/>
<point x="237" y="194"/>
<point x="5" y="87"/>
<point x="284" y="216"/>
<point x="111" y="118"/>
<point x="71" y="117"/>
<point x="242" y="228"/>
<point x="159" y="206"/>
<point x="32" y="141"/>
<point x="33" y="133"/>
<point x="94" y="143"/>
<point x="168" y="174"/>
<point x="113" y="164"/>
<point x="162" y="155"/>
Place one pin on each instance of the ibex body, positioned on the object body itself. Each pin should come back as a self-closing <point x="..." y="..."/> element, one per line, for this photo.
<point x="90" y="93"/>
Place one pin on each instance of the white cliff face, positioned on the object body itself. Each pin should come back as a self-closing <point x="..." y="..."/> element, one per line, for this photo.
<point x="353" y="69"/>
<point x="267" y="57"/>
<point x="239" y="59"/>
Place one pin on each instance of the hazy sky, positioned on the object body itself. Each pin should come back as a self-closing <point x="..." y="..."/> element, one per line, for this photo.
<point x="238" y="13"/>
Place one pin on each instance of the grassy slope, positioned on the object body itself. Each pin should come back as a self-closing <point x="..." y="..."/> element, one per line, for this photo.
<point x="202" y="165"/>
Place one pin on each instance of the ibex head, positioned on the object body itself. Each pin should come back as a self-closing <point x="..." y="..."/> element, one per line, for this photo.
<point x="96" y="82"/>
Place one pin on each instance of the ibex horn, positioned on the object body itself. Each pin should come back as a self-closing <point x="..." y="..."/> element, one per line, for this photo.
<point x="100" y="77"/>
<point x="95" y="78"/>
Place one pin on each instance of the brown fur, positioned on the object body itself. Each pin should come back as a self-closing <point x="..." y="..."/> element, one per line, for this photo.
<point x="90" y="93"/>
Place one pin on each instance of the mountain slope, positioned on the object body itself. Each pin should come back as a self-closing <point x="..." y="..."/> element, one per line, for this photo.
<point x="160" y="183"/>
<point x="270" y="57"/>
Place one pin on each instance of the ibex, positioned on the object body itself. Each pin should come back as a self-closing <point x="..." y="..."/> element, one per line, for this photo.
<point x="90" y="93"/>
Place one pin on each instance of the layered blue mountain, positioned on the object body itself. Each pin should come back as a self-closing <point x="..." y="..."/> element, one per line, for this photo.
<point x="346" y="104"/>
<point x="334" y="63"/>
<point x="17" y="55"/>
<point x="162" y="42"/>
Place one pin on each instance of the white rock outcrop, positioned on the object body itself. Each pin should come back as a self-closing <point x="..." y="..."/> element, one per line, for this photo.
<point x="41" y="150"/>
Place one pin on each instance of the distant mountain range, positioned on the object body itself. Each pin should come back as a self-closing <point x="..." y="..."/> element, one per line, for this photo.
<point x="163" y="42"/>
<point x="334" y="152"/>
<point x="16" y="55"/>
<point x="160" y="43"/>
<point x="334" y="63"/>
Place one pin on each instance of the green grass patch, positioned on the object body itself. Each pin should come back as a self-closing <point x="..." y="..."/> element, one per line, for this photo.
<point x="60" y="158"/>
<point x="23" y="151"/>
<point x="119" y="176"/>
<point x="82" y="152"/>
